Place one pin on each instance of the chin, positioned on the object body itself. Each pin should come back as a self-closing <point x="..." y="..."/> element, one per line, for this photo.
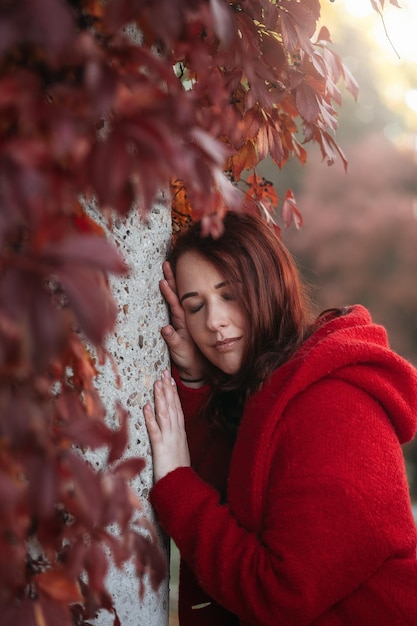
<point x="230" y="371"/>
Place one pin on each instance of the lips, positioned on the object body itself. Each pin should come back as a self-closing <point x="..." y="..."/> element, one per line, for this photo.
<point x="226" y="344"/>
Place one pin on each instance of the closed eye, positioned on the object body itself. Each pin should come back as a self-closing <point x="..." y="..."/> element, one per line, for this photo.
<point x="195" y="308"/>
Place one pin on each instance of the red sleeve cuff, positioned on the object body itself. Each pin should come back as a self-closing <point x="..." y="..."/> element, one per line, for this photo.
<point x="177" y="499"/>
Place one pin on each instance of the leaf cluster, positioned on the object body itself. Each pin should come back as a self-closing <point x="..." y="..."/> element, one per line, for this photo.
<point x="262" y="80"/>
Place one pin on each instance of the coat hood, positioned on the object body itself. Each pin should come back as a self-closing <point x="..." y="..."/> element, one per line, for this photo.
<point x="350" y="347"/>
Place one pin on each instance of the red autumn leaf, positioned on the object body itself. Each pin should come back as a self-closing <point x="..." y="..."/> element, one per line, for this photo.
<point x="215" y="150"/>
<point x="180" y="203"/>
<point x="298" y="24"/>
<point x="101" y="83"/>
<point x="112" y="157"/>
<point x="57" y="585"/>
<point x="377" y="8"/>
<point x="89" y="250"/>
<point x="314" y="6"/>
<point x="19" y="613"/>
<point x="84" y="224"/>
<point x="49" y="610"/>
<point x="222" y="23"/>
<point x="275" y="144"/>
<point x="149" y="559"/>
<point x="245" y="158"/>
<point x="129" y="468"/>
<point x="116" y="546"/>
<point x="120" y="501"/>
<point x="120" y="437"/>
<point x="273" y="52"/>
<point x="262" y="143"/>
<point x="166" y="18"/>
<point x="329" y="148"/>
<point x="249" y="38"/>
<point x="290" y="213"/>
<point x="81" y="488"/>
<point x="87" y="433"/>
<point x="304" y="15"/>
<point x="324" y="35"/>
<point x="252" y="122"/>
<point x="118" y="13"/>
<point x="307" y="104"/>
<point x="338" y="71"/>
<point x="90" y="299"/>
<point x="48" y="326"/>
<point x="73" y="555"/>
<point x="96" y="565"/>
<point x="43" y="486"/>
<point x="212" y="225"/>
<point x="263" y="192"/>
<point x="44" y="22"/>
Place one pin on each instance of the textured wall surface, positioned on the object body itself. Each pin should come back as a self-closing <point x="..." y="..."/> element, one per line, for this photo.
<point x="140" y="355"/>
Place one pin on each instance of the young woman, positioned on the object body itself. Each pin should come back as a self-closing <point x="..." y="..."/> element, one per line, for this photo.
<point x="287" y="497"/>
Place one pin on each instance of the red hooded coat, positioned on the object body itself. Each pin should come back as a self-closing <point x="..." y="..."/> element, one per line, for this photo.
<point x="307" y="521"/>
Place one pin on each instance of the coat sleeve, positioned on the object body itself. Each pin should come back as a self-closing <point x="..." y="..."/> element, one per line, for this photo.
<point x="191" y="399"/>
<point x="335" y="469"/>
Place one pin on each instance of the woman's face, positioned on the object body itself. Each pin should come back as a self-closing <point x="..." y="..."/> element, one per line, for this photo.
<point x="214" y="318"/>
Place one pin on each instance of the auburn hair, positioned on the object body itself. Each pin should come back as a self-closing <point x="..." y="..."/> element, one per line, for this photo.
<point x="265" y="280"/>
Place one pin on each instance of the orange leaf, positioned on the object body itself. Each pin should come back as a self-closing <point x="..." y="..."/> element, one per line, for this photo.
<point x="245" y="158"/>
<point x="181" y="210"/>
<point x="84" y="223"/>
<point x="262" y="190"/>
<point x="56" y="584"/>
<point x="290" y="213"/>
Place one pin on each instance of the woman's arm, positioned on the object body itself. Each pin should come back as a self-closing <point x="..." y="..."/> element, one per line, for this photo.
<point x="321" y="538"/>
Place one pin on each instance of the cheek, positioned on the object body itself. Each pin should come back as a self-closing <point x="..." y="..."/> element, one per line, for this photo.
<point x="194" y="327"/>
<point x="241" y="319"/>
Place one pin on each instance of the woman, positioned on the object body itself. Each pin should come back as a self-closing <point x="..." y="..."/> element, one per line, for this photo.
<point x="289" y="503"/>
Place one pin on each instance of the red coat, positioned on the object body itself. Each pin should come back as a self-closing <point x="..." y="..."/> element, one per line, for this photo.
<point x="316" y="526"/>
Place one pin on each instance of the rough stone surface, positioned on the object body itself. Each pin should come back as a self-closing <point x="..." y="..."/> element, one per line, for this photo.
<point x="140" y="356"/>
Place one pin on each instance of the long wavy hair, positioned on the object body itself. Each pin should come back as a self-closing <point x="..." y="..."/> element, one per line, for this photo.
<point x="265" y="281"/>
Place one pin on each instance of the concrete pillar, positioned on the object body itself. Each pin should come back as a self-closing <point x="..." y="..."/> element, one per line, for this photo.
<point x="140" y="355"/>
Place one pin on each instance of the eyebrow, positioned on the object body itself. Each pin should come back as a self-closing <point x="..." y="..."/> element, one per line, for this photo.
<point x="192" y="294"/>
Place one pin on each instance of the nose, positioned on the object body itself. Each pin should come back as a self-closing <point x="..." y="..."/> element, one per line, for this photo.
<point x="216" y="317"/>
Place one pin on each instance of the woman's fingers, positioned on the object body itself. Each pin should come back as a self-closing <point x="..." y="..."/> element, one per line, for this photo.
<point x="162" y="410"/>
<point x="169" y="291"/>
<point x="171" y="337"/>
<point x="166" y="428"/>
<point x="169" y="294"/>
<point x="177" y="312"/>
<point x="152" y="426"/>
<point x="181" y="346"/>
<point x="171" y="400"/>
<point x="169" y="276"/>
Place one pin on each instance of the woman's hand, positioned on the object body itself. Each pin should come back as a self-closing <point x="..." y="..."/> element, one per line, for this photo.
<point x="184" y="353"/>
<point x="166" y="428"/>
